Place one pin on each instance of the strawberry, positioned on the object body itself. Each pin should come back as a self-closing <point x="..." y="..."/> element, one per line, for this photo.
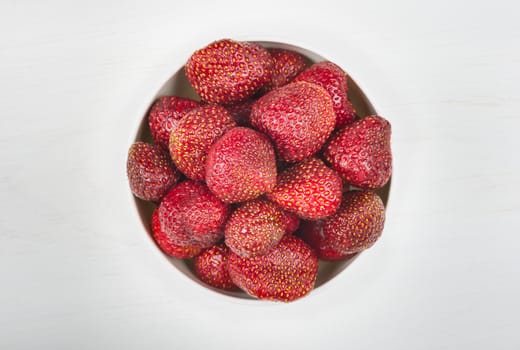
<point x="298" y="118"/>
<point x="254" y="228"/>
<point x="287" y="65"/>
<point x="356" y="226"/>
<point x="286" y="273"/>
<point x="211" y="267"/>
<point x="291" y="222"/>
<point x="192" y="216"/>
<point x="241" y="165"/>
<point x="164" y="115"/>
<point x="241" y="111"/>
<point x="150" y="171"/>
<point x="361" y="152"/>
<point x="228" y="71"/>
<point x="194" y="135"/>
<point x="334" y="80"/>
<point x="164" y="241"/>
<point x="309" y="189"/>
<point x="349" y="117"/>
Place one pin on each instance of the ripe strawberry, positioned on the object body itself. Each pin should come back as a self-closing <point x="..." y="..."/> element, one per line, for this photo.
<point x="254" y="228"/>
<point x="241" y="165"/>
<point x="192" y="216"/>
<point x="349" y="116"/>
<point x="334" y="80"/>
<point x="356" y="226"/>
<point x="309" y="189"/>
<point x="287" y="65"/>
<point x="194" y="135"/>
<point x="165" y="114"/>
<point x="298" y="118"/>
<point x="291" y="222"/>
<point x="361" y="152"/>
<point x="211" y="267"/>
<point x="241" y="111"/>
<point x="150" y="171"/>
<point x="228" y="71"/>
<point x="164" y="241"/>
<point x="286" y="273"/>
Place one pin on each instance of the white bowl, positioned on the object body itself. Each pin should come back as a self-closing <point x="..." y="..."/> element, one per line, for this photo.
<point x="178" y="85"/>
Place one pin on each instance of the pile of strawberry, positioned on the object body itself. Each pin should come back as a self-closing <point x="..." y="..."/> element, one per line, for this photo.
<point x="256" y="182"/>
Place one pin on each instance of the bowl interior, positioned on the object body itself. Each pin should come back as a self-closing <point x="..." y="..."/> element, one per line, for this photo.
<point x="178" y="85"/>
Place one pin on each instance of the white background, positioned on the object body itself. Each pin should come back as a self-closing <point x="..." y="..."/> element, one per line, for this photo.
<point x="76" y="268"/>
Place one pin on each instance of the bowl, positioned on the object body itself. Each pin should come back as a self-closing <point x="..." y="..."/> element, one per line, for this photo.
<point x="178" y="85"/>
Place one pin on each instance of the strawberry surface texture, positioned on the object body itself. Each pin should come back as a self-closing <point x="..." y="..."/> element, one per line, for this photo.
<point x="355" y="227"/>
<point x="228" y="71"/>
<point x="287" y="65"/>
<point x="298" y="118"/>
<point x="255" y="228"/>
<point x="308" y="189"/>
<point x="165" y="114"/>
<point x="361" y="152"/>
<point x="150" y="171"/>
<point x="165" y="242"/>
<point x="333" y="79"/>
<point x="241" y="165"/>
<point x="192" y="216"/>
<point x="211" y="266"/>
<point x="286" y="273"/>
<point x="193" y="136"/>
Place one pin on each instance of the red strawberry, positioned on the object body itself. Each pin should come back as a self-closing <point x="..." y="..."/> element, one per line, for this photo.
<point x="287" y="65"/>
<point x="241" y="165"/>
<point x="211" y="267"/>
<point x="254" y="228"/>
<point x="191" y="215"/>
<point x="164" y="241"/>
<point x="361" y="152"/>
<point x="349" y="116"/>
<point x="150" y="171"/>
<point x="228" y="71"/>
<point x="165" y="114"/>
<point x="241" y="111"/>
<point x="194" y="135"/>
<point x="298" y="118"/>
<point x="291" y="222"/>
<point x="334" y="80"/>
<point x="356" y="226"/>
<point x="309" y="189"/>
<point x="286" y="273"/>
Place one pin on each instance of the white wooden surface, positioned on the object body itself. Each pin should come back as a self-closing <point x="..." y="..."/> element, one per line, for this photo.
<point x="76" y="268"/>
